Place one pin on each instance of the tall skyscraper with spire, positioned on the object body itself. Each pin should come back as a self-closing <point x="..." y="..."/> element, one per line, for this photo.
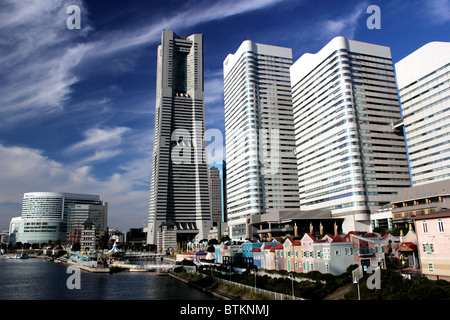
<point x="179" y="205"/>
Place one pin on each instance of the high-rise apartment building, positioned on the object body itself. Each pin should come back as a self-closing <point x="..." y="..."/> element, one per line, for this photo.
<point x="350" y="159"/>
<point x="259" y="133"/>
<point x="179" y="206"/>
<point x="58" y="216"/>
<point x="424" y="85"/>
<point x="215" y="189"/>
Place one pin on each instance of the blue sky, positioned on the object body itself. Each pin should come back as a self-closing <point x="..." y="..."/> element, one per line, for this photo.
<point x="77" y="106"/>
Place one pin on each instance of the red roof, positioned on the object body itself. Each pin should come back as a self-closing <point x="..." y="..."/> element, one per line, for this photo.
<point x="371" y="235"/>
<point x="276" y="247"/>
<point x="338" y="239"/>
<point x="256" y="250"/>
<point x="294" y="242"/>
<point x="312" y="236"/>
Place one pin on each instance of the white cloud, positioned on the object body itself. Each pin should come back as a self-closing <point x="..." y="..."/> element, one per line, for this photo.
<point x="38" y="54"/>
<point x="37" y="58"/>
<point x="104" y="143"/>
<point x="101" y="138"/>
<point x="439" y="10"/>
<point x="346" y="25"/>
<point x="189" y="16"/>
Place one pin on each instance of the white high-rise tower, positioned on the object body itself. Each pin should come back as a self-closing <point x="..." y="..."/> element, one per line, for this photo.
<point x="351" y="159"/>
<point x="424" y="86"/>
<point x="259" y="132"/>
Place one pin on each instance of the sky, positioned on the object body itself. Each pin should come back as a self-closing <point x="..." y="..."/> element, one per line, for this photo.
<point x="77" y="105"/>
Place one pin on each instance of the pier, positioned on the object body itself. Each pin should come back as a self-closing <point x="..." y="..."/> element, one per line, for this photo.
<point x="142" y="255"/>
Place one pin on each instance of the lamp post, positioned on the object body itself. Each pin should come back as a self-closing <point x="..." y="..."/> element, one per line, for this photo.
<point x="292" y="281"/>
<point x="229" y="267"/>
<point x="254" y="272"/>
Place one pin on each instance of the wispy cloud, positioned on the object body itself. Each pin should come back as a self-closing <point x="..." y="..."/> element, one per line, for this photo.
<point x="193" y="15"/>
<point x="37" y="57"/>
<point x="103" y="142"/>
<point x="439" y="10"/>
<point x="345" y="25"/>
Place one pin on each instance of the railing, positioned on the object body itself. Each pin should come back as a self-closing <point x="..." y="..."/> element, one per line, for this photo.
<point x="272" y="294"/>
<point x="365" y="251"/>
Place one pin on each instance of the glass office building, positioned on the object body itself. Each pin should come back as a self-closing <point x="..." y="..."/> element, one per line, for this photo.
<point x="51" y="216"/>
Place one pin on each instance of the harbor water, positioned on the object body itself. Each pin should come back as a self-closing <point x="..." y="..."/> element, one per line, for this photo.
<point x="38" y="279"/>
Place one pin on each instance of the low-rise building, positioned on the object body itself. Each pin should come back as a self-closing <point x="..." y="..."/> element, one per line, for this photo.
<point x="307" y="242"/>
<point x="433" y="235"/>
<point x="333" y="255"/>
<point x="292" y="255"/>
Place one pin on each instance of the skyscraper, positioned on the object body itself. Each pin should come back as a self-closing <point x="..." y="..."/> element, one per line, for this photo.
<point x="424" y="86"/>
<point x="259" y="132"/>
<point x="179" y="206"/>
<point x="350" y="158"/>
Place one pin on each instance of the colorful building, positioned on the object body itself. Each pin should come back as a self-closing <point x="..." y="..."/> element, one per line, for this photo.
<point x="433" y="244"/>
<point x="292" y="255"/>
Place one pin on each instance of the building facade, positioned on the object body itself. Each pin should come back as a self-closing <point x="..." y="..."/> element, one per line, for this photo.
<point x="434" y="252"/>
<point x="52" y="216"/>
<point x="215" y="189"/>
<point x="259" y="133"/>
<point x="424" y="88"/>
<point x="179" y="194"/>
<point x="350" y="158"/>
<point x="420" y="200"/>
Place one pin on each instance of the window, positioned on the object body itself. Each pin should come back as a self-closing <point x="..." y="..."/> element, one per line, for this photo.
<point x="440" y="224"/>
<point x="337" y="252"/>
<point x="425" y="227"/>
<point x="327" y="267"/>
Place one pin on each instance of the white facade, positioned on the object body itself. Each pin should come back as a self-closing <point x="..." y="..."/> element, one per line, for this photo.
<point x="350" y="160"/>
<point x="424" y="86"/>
<point x="261" y="166"/>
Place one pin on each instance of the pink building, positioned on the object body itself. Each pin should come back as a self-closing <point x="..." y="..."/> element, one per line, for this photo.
<point x="433" y="236"/>
<point x="308" y="251"/>
<point x="293" y="255"/>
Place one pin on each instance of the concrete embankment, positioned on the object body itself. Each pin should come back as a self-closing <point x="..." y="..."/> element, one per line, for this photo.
<point x="208" y="289"/>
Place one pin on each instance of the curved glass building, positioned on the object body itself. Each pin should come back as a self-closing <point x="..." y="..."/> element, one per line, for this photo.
<point x="51" y="216"/>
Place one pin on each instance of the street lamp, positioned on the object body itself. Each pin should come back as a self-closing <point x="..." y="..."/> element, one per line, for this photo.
<point x="254" y="272"/>
<point x="291" y="276"/>
<point x="229" y="267"/>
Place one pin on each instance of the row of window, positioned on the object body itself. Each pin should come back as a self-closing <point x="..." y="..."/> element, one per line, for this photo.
<point x="440" y="226"/>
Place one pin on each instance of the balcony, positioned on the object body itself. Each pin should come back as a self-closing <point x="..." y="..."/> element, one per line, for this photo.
<point x="365" y="252"/>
